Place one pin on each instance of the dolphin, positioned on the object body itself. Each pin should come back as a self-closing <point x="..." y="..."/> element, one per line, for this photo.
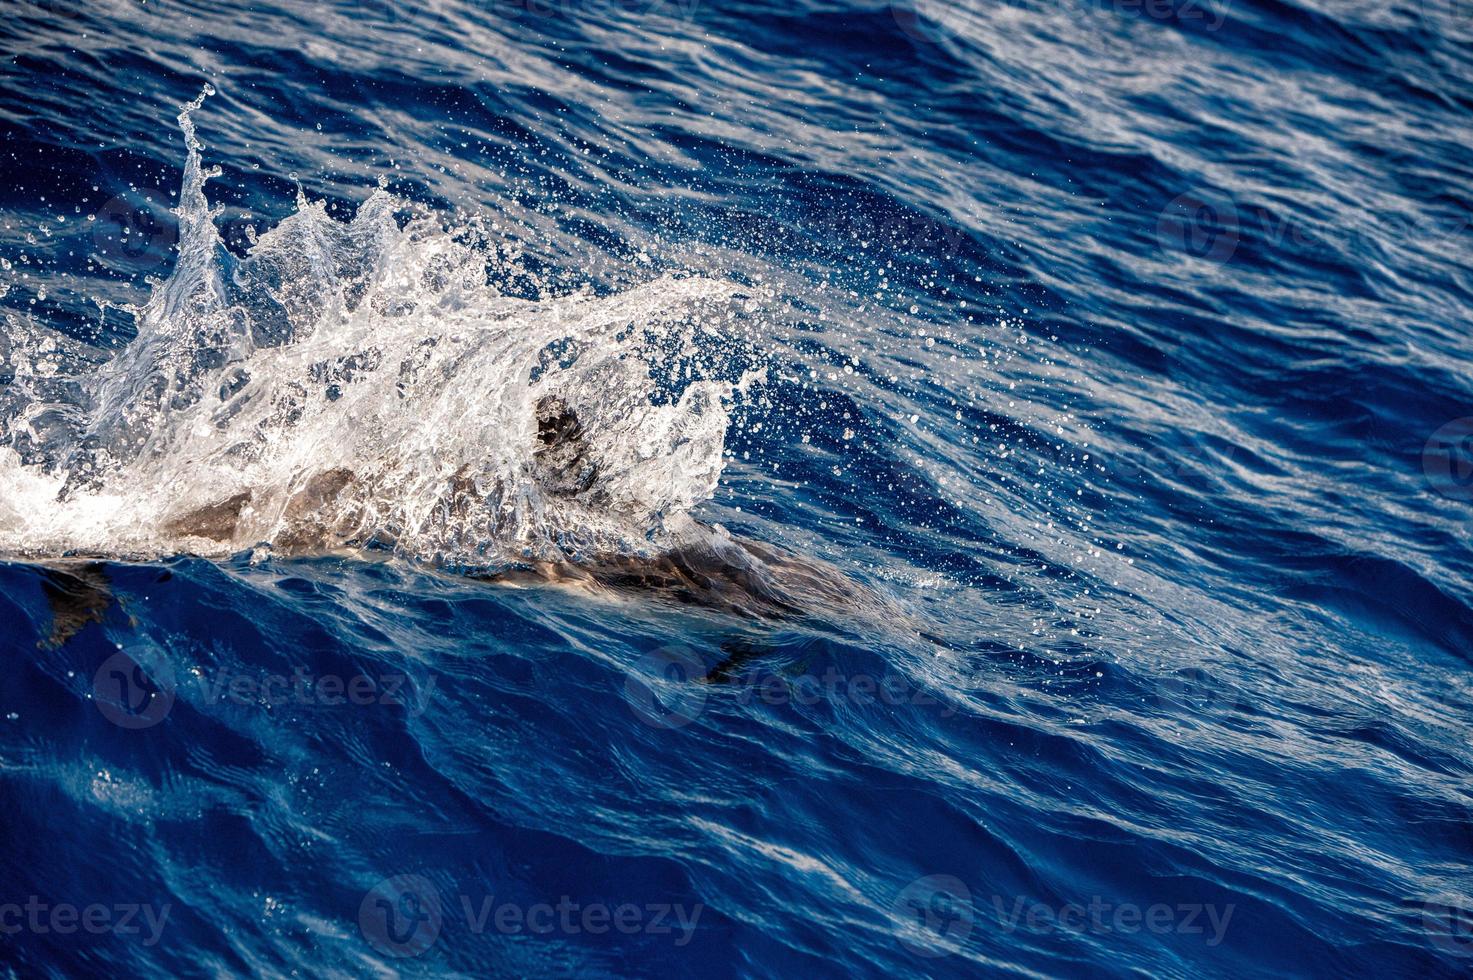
<point x="708" y="568"/>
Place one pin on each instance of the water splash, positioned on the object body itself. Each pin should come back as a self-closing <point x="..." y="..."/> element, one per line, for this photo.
<point x="372" y="370"/>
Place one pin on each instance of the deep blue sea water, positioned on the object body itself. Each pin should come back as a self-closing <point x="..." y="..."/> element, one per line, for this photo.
<point x="1113" y="355"/>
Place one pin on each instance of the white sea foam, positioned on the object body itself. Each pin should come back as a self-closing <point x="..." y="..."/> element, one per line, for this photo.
<point x="380" y="346"/>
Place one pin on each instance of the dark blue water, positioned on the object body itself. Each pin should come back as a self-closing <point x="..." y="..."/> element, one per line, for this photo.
<point x="1122" y="347"/>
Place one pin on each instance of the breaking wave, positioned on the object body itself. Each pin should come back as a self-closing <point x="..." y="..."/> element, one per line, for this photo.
<point x="383" y="349"/>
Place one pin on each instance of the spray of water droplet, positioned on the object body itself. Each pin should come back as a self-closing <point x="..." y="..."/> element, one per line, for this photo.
<point x="380" y="347"/>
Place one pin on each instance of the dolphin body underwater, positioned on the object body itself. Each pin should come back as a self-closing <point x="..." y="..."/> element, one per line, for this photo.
<point x="213" y="306"/>
<point x="709" y="569"/>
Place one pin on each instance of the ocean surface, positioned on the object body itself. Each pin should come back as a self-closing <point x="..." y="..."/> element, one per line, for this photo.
<point x="674" y="487"/>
